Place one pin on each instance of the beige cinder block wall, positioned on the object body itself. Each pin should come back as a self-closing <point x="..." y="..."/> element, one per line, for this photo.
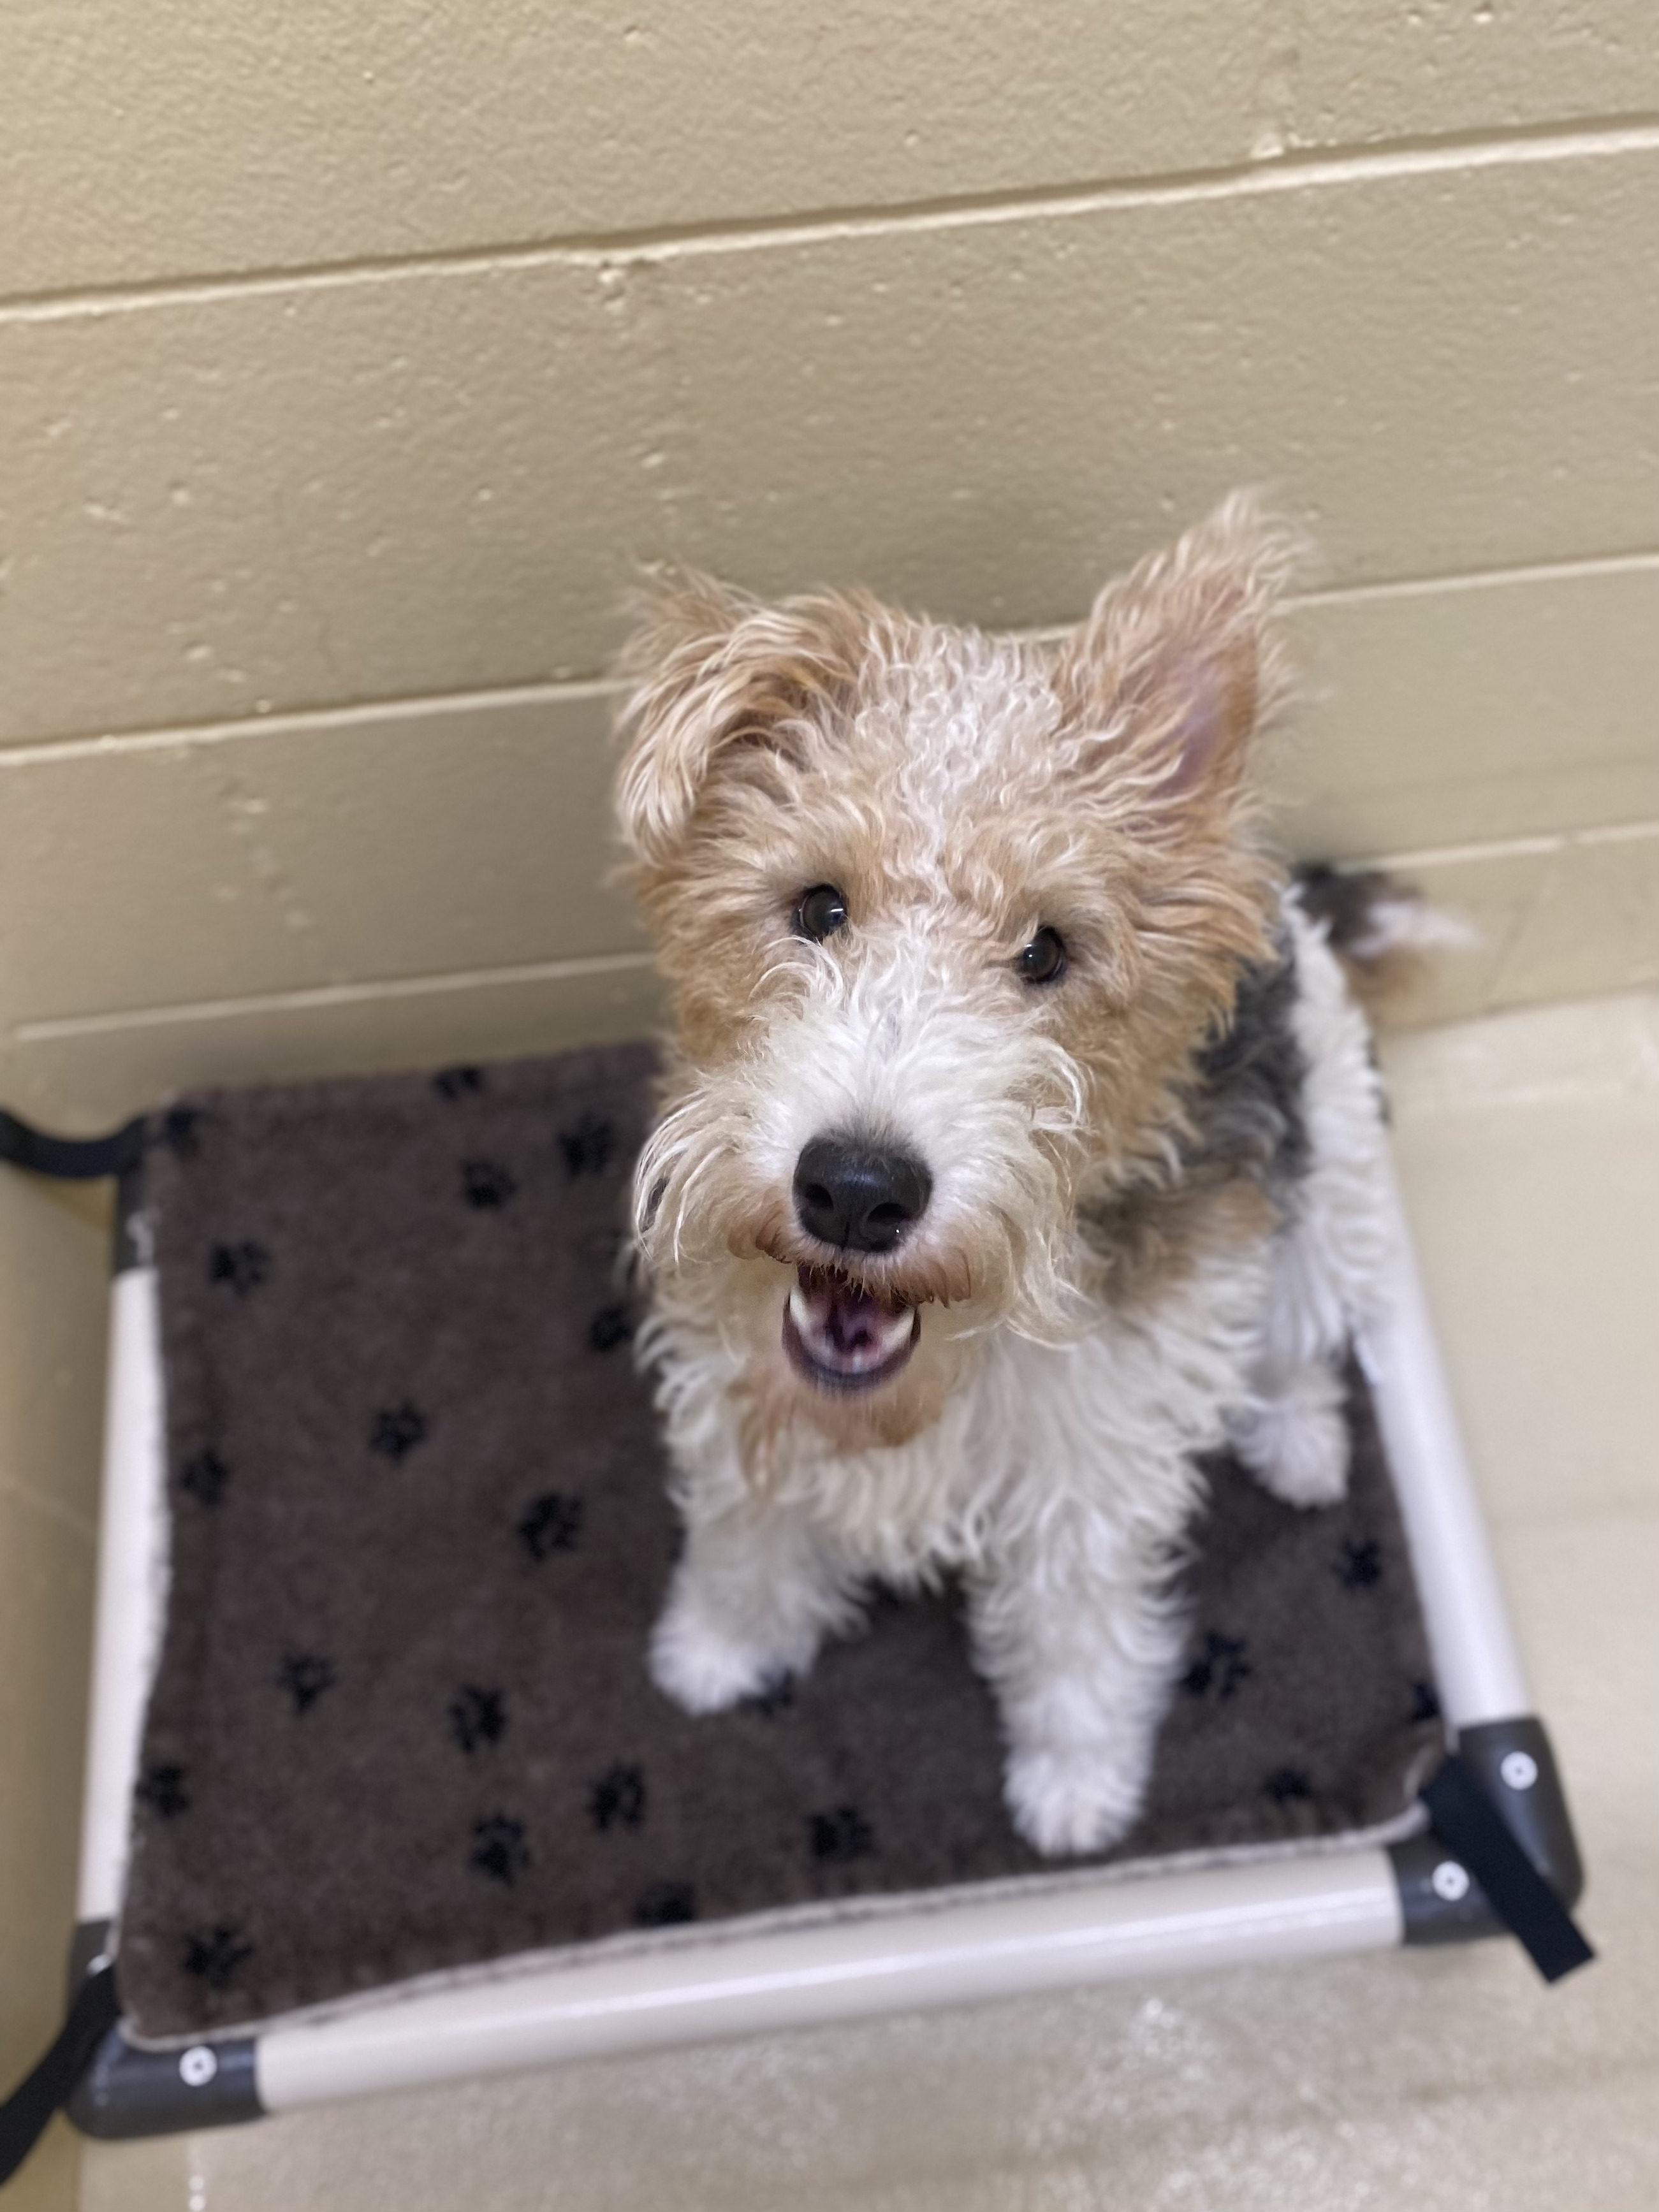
<point x="352" y="355"/>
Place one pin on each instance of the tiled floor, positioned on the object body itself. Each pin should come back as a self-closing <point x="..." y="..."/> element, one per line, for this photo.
<point x="1529" y="1148"/>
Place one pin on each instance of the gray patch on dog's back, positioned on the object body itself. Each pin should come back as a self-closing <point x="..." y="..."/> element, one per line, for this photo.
<point x="1244" y="1121"/>
<point x="1248" y="1101"/>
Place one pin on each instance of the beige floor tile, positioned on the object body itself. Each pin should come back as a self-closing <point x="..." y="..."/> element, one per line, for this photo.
<point x="51" y="2180"/>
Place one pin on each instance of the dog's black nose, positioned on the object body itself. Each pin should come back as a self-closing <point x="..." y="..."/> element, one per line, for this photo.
<point x="849" y="1193"/>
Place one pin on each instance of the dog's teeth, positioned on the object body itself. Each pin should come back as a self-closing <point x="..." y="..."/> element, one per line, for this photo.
<point x="896" y="1331"/>
<point x="800" y="1307"/>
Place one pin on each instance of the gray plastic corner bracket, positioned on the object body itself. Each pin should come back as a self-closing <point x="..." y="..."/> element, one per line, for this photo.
<point x="1440" y="1899"/>
<point x="128" y="2092"/>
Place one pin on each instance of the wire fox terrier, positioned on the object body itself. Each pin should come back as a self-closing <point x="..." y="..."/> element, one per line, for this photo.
<point x="1020" y="1142"/>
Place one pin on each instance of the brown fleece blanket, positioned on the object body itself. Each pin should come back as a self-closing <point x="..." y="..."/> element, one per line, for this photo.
<point x="402" y="1722"/>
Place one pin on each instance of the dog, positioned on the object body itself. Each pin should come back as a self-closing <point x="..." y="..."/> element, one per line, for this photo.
<point x="1020" y="1141"/>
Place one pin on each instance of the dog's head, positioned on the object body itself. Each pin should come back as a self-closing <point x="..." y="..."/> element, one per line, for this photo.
<point x="944" y="918"/>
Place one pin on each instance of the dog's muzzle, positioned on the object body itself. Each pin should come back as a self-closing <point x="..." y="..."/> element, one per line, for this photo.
<point x="855" y="1196"/>
<point x="842" y="1337"/>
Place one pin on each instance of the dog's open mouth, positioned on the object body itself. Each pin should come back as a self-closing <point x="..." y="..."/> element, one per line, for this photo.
<point x="843" y="1337"/>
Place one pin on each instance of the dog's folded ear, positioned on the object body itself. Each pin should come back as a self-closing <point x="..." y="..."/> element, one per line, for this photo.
<point x="1181" y="660"/>
<point x="718" y="679"/>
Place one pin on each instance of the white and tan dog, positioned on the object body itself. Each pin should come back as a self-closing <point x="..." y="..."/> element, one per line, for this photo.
<point x="1020" y="1142"/>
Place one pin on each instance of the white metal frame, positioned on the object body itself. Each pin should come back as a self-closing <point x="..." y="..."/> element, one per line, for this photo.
<point x="745" y="1978"/>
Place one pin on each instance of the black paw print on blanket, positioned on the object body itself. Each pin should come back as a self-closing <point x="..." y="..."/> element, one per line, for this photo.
<point x="587" y="1147"/>
<point x="1221" y="1667"/>
<point x="499" y="1851"/>
<point x="213" y="1955"/>
<point x="485" y="1187"/>
<point x="244" y="1266"/>
<point x="305" y="1676"/>
<point x="616" y="1800"/>
<point x="397" y="1431"/>
<point x="840" y="1835"/>
<point x="477" y="1716"/>
<point x="1360" y="1566"/>
<point x="203" y="1476"/>
<point x="553" y="1523"/>
<point x="162" y="1789"/>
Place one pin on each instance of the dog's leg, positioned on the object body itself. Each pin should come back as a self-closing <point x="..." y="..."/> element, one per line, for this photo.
<point x="756" y="1591"/>
<point x="1074" y="1619"/>
<point x="1329" y="1258"/>
<point x="1292" y="1435"/>
<point x="1291" y="1432"/>
<point x="1082" y="1643"/>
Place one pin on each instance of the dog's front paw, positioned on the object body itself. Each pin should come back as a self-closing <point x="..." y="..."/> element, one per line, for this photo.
<point x="1297" y="1445"/>
<point x="1067" y="1801"/>
<point x="704" y="1668"/>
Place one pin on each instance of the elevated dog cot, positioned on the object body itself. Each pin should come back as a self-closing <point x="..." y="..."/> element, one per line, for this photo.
<point x="379" y="1792"/>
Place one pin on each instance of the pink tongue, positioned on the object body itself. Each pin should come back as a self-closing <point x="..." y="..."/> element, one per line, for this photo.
<point x="848" y="1322"/>
<point x="845" y="1327"/>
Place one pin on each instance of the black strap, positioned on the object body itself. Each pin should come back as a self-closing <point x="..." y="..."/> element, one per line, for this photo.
<point x="24" y="2114"/>
<point x="1467" y="1822"/>
<point x="72" y="1159"/>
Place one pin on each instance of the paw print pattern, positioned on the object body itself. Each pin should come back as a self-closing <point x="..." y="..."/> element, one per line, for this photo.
<point x="1359" y="1566"/>
<point x="1221" y="1667"/>
<point x="162" y="1789"/>
<point x="552" y="1523"/>
<point x="477" y="1716"/>
<point x="486" y="1187"/>
<point x="588" y="1146"/>
<point x="616" y="1800"/>
<point x="499" y="1850"/>
<point x="397" y="1431"/>
<point x="305" y="1676"/>
<point x="213" y="1955"/>
<point x="1287" y="1785"/>
<point x="204" y="1475"/>
<point x="840" y="1836"/>
<point x="666" y="1904"/>
<point x="609" y="1328"/>
<point x="458" y="1083"/>
<point x="244" y="1266"/>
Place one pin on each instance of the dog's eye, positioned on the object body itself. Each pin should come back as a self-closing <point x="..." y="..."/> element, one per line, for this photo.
<point x="822" y="912"/>
<point x="1043" y="960"/>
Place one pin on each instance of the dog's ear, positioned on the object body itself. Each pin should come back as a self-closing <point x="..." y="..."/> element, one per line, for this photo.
<point x="718" y="676"/>
<point x="1181" y="660"/>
